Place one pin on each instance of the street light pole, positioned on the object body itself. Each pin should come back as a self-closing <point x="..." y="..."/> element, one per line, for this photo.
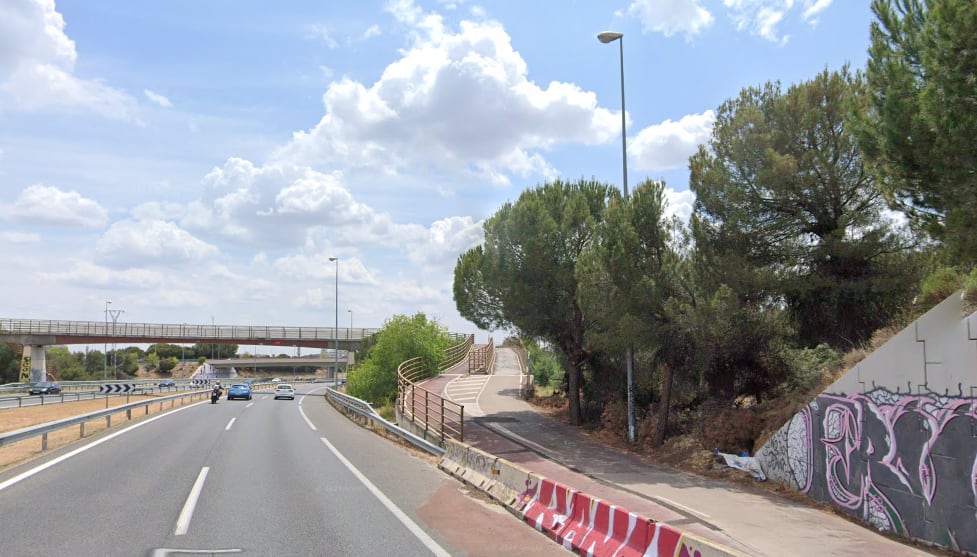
<point x="607" y="37"/>
<point x="349" y="333"/>
<point x="335" y="331"/>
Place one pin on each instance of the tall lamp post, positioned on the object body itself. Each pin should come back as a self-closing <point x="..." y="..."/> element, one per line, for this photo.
<point x="335" y="331"/>
<point x="608" y="37"/>
<point x="349" y="334"/>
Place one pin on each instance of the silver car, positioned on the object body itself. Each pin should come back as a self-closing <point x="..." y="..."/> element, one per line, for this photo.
<point x="284" y="390"/>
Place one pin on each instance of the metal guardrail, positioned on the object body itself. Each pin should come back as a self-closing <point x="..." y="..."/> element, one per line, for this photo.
<point x="42" y="430"/>
<point x="363" y="408"/>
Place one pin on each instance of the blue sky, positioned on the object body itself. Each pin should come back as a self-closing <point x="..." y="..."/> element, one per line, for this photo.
<point x="192" y="160"/>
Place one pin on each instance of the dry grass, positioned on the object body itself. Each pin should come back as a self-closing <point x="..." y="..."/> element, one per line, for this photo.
<point x="12" y="419"/>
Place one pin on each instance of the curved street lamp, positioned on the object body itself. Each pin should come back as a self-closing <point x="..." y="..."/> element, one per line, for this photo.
<point x="608" y="37"/>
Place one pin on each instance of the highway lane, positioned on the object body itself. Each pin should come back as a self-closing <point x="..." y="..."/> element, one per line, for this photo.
<point x="272" y="486"/>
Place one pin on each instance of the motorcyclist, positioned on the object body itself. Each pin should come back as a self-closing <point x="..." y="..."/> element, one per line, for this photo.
<point x="216" y="393"/>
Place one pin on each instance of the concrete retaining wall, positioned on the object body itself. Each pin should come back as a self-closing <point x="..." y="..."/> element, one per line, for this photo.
<point x="894" y="442"/>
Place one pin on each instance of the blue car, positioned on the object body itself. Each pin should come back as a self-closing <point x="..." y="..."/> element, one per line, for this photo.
<point x="239" y="390"/>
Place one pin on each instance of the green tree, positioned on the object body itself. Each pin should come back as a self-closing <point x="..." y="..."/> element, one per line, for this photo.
<point x="167" y="350"/>
<point x="152" y="361"/>
<point x="626" y="281"/>
<point x="786" y="212"/>
<point x="523" y="276"/>
<point x="9" y="365"/>
<point x="166" y="365"/>
<point x="63" y="364"/>
<point x="919" y="126"/>
<point x="400" y="339"/>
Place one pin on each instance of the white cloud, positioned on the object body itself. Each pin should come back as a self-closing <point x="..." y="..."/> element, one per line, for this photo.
<point x="157" y="98"/>
<point x="50" y="206"/>
<point x="371" y="31"/>
<point x="38" y="60"/>
<point x="670" y="144"/>
<point x="444" y="241"/>
<point x="669" y="17"/>
<point x="85" y="273"/>
<point x="151" y="242"/>
<point x="761" y="17"/>
<point x="322" y="33"/>
<point x="813" y="8"/>
<point x="19" y="238"/>
<point x="459" y="101"/>
<point x="285" y="206"/>
<point x="679" y="203"/>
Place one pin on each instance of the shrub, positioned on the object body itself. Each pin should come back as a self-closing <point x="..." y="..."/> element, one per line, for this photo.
<point x="938" y="286"/>
<point x="732" y="430"/>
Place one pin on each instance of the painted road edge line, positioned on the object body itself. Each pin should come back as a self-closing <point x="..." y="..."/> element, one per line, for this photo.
<point x="41" y="467"/>
<point x="420" y="534"/>
<point x="183" y="522"/>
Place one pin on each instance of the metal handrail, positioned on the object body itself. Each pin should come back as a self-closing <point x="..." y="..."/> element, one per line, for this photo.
<point x="437" y="415"/>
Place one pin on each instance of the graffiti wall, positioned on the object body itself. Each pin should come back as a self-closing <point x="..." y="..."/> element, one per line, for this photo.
<point x="900" y="457"/>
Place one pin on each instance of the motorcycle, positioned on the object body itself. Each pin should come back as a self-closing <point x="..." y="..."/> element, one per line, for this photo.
<point x="215" y="396"/>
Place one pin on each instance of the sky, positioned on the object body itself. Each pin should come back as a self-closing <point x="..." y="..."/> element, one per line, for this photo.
<point x="201" y="161"/>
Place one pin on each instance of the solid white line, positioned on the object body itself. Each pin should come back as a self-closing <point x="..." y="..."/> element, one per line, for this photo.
<point x="306" y="418"/>
<point x="40" y="468"/>
<point x="679" y="505"/>
<point x="183" y="523"/>
<point x="420" y="534"/>
<point x="301" y="398"/>
<point x="229" y="424"/>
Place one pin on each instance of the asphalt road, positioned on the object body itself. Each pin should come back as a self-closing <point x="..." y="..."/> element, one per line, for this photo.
<point x="265" y="477"/>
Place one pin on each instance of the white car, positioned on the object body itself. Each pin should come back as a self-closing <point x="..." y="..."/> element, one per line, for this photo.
<point x="284" y="390"/>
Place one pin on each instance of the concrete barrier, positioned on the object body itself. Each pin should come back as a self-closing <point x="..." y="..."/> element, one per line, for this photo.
<point x="577" y="521"/>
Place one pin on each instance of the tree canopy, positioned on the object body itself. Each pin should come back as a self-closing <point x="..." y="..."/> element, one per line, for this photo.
<point x="919" y="127"/>
<point x="523" y="276"/>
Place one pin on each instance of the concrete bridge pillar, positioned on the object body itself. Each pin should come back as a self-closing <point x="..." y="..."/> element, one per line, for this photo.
<point x="38" y="363"/>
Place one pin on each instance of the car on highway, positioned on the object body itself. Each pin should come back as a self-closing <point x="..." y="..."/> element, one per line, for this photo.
<point x="167" y="383"/>
<point x="239" y="390"/>
<point x="44" y="388"/>
<point x="284" y="390"/>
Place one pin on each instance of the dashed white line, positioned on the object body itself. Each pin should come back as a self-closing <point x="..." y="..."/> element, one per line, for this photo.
<point x="306" y="418"/>
<point x="420" y="534"/>
<point x="229" y="424"/>
<point x="250" y="404"/>
<point x="183" y="522"/>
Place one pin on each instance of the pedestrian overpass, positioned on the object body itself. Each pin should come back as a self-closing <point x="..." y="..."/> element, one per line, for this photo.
<point x="34" y="335"/>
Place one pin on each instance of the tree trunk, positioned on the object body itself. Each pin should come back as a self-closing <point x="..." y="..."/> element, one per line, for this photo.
<point x="573" y="393"/>
<point x="664" y="405"/>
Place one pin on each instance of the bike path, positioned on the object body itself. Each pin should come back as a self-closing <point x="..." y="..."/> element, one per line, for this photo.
<point x="754" y="522"/>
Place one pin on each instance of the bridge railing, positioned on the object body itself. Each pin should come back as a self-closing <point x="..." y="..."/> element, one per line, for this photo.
<point x="429" y="411"/>
<point x="178" y="331"/>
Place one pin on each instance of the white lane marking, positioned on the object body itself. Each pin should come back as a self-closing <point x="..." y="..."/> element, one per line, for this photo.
<point x="165" y="551"/>
<point x="420" y="534"/>
<point x="250" y="404"/>
<point x="306" y="418"/>
<point x="183" y="523"/>
<point x="681" y="506"/>
<point x="301" y="398"/>
<point x="229" y="424"/>
<point x="40" y="468"/>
